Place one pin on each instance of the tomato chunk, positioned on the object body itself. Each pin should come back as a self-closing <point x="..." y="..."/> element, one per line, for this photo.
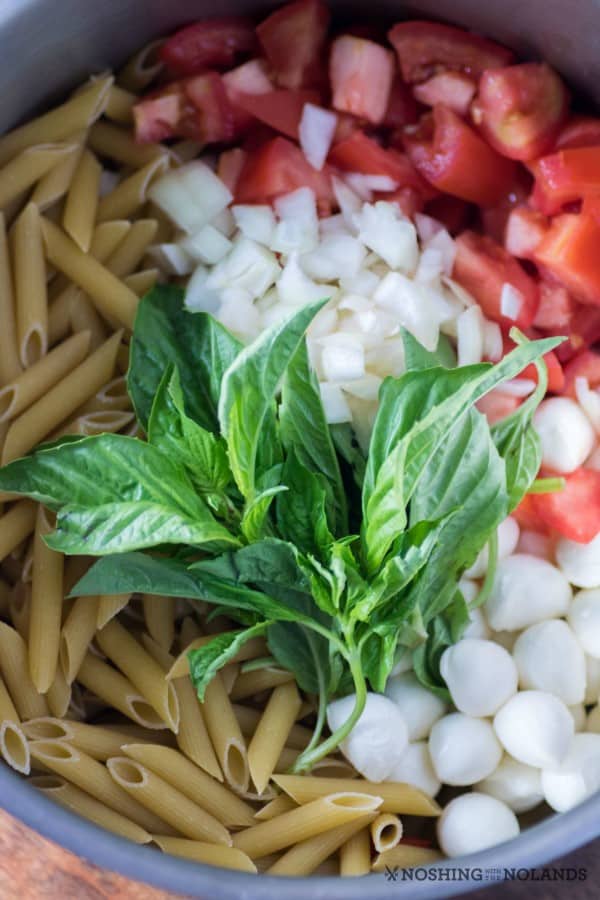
<point x="452" y="157"/>
<point x="453" y="213"/>
<point x="402" y="106"/>
<point x="281" y="109"/>
<point x="213" y="43"/>
<point x="497" y="406"/>
<point x="525" y="229"/>
<point x="483" y="267"/>
<point x="580" y="131"/>
<point x="571" y="252"/>
<point x="293" y="38"/>
<point x="556" y="375"/>
<point x="556" y="308"/>
<point x="157" y="116"/>
<point x="575" y="511"/>
<point x="527" y="516"/>
<point x="279" y="167"/>
<point x="424" y="48"/>
<point x="568" y="175"/>
<point x="230" y="165"/>
<point x="452" y="89"/>
<point x="583" y="331"/>
<point x="585" y="365"/>
<point x="361" y="74"/>
<point x="360" y="153"/>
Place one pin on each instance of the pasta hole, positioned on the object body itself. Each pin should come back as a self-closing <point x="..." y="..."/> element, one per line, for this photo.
<point x="127" y="772"/>
<point x="387" y="836"/>
<point x="14" y="748"/>
<point x="172" y="707"/>
<point x="47" y="782"/>
<point x="47" y="730"/>
<point x="351" y="800"/>
<point x="33" y="346"/>
<point x="53" y="750"/>
<point x="8" y="395"/>
<point x="236" y="767"/>
<point x="115" y="390"/>
<point x="143" y="713"/>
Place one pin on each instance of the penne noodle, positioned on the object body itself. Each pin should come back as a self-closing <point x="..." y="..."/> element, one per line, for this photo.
<point x="119" y="105"/>
<point x="188" y="778"/>
<point x="185" y="151"/>
<point x="35" y="381"/>
<point x="45" y="414"/>
<point x="15" y="525"/>
<point x="250" y="650"/>
<point x="59" y="694"/>
<point x="248" y="717"/>
<point x="275" y="807"/>
<point x="189" y="632"/>
<point x="130" y="252"/>
<point x="75" y="114"/>
<point x="107" y="237"/>
<point x="159" y="618"/>
<point x="59" y="313"/>
<point x="22" y="172"/>
<point x="46" y="607"/>
<point x="405" y="856"/>
<point x="131" y="193"/>
<point x="229" y="674"/>
<point x="109" y="606"/>
<point x="55" y="183"/>
<point x="396" y="796"/>
<point x="97" y="741"/>
<point x="306" y="856"/>
<point x="225" y="735"/>
<point x="14" y="749"/>
<point x="112" y="298"/>
<point x="249" y="683"/>
<point x="81" y="204"/>
<point x="20" y="608"/>
<point x="118" y="144"/>
<point x="117" y="692"/>
<point x="305" y="822"/>
<point x="84" y="317"/>
<point x="71" y="797"/>
<point x="77" y="633"/>
<point x="142" y="68"/>
<point x="355" y="854"/>
<point x="30" y="287"/>
<point x="8" y="712"/>
<point x="10" y="365"/>
<point x="211" y="854"/>
<point x="166" y="229"/>
<point x="165" y="801"/>
<point x="94" y="423"/>
<point x="92" y="777"/>
<point x="143" y="672"/>
<point x="14" y="665"/>
<point x="75" y="569"/>
<point x="113" y="395"/>
<point x="386" y="832"/>
<point x="142" y="282"/>
<point x="271" y="733"/>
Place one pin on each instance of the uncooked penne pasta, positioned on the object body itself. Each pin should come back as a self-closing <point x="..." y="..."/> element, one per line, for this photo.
<point x="84" y="317"/>
<point x="20" y="608"/>
<point x="355" y="854"/>
<point x="75" y="569"/>
<point x="248" y="717"/>
<point x="130" y="252"/>
<point x="396" y="796"/>
<point x="386" y="832"/>
<point x="131" y="193"/>
<point x="10" y="364"/>
<point x="28" y="167"/>
<point x="200" y="851"/>
<point x="142" y="68"/>
<point x="112" y="298"/>
<point x="117" y="691"/>
<point x="303" y="858"/>
<point x="30" y="286"/>
<point x="47" y="413"/>
<point x="8" y="712"/>
<point x="119" y="105"/>
<point x="14" y="665"/>
<point x="118" y="144"/>
<point x="305" y="822"/>
<point x="165" y="801"/>
<point x="47" y="594"/>
<point x="79" y="214"/>
<point x="188" y="778"/>
<point x="275" y="807"/>
<point x="225" y="734"/>
<point x="16" y="524"/>
<point x="97" y="741"/>
<point x="405" y="856"/>
<point x="95" y="423"/>
<point x="71" y="797"/>
<point x="59" y="313"/>
<point x="271" y="733"/>
<point x="107" y="237"/>
<point x="143" y="672"/>
<point x="229" y="674"/>
<point x="55" y="183"/>
<point x="141" y="282"/>
<point x="77" y="633"/>
<point x="109" y="606"/>
<point x="249" y="683"/>
<point x="159" y="618"/>
<point x="59" y="694"/>
<point x="113" y="395"/>
<point x="250" y="650"/>
<point x="14" y="748"/>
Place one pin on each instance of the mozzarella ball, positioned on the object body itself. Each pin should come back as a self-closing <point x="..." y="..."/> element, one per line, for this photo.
<point x="579" y="715"/>
<point x="577" y="777"/>
<point x="481" y="676"/>
<point x="526" y="590"/>
<point x="516" y="784"/>
<point x="473" y="822"/>
<point x="580" y="562"/>
<point x="536" y="728"/>
<point x="508" y="538"/>
<point x="565" y="432"/>
<point x="377" y="741"/>
<point x="584" y="619"/>
<point x="549" y="658"/>
<point x="463" y="750"/>
<point x="592" y="679"/>
<point x="469" y="589"/>
<point x="593" y="720"/>
<point x="415" y="767"/>
<point x="477" y="627"/>
<point x="404" y="662"/>
<point x="418" y="707"/>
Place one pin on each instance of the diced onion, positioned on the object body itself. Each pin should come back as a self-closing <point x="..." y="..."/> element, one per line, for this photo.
<point x="172" y="259"/>
<point x="469" y="333"/>
<point x="248" y="265"/>
<point x="198" y="296"/>
<point x="207" y="245"/>
<point x="493" y="347"/>
<point x="316" y="131"/>
<point x="335" y="404"/>
<point x="295" y="288"/>
<point x="255" y="222"/>
<point x="511" y="301"/>
<point x="589" y="401"/>
<point x="342" y="357"/>
<point x="191" y="196"/>
<point x="426" y="227"/>
<point x="393" y="238"/>
<point x="298" y="226"/>
<point x="519" y="387"/>
<point x="336" y="255"/>
<point x="349" y="202"/>
<point x="365" y="388"/>
<point x="364" y="184"/>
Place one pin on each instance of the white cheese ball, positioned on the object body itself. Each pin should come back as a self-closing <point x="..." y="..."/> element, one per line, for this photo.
<point x="477" y="627"/>
<point x="577" y="777"/>
<point x="526" y="590"/>
<point x="565" y="432"/>
<point x="473" y="822"/>
<point x="469" y="589"/>
<point x="481" y="676"/>
<point x="508" y="538"/>
<point x="415" y="767"/>
<point x="584" y="619"/>
<point x="549" y="658"/>
<point x="536" y="728"/>
<point x="419" y="708"/>
<point x="463" y="750"/>
<point x="592" y="679"/>
<point x="580" y="563"/>
<point x="516" y="784"/>
<point x="377" y="741"/>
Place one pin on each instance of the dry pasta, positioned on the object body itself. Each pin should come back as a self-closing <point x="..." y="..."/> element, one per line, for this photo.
<point x="59" y="694"/>
<point x="20" y="608"/>
<point x="119" y="106"/>
<point x="15" y="525"/>
<point x="386" y="832"/>
<point x="14" y="665"/>
<point x="131" y="193"/>
<point x="81" y="205"/>
<point x="97" y="741"/>
<point x="30" y="286"/>
<point x="55" y="183"/>
<point x="275" y="807"/>
<point x="142" y="68"/>
<point x="46" y="607"/>
<point x="405" y="856"/>
<point x="249" y="717"/>
<point x="141" y="282"/>
<point x="306" y="856"/>
<point x="77" y="632"/>
<point x="200" y="851"/>
<point x="10" y="365"/>
<point x="271" y="733"/>
<point x="355" y="854"/>
<point x="117" y="692"/>
<point x="84" y="317"/>
<point x="250" y="683"/>
<point x="251" y="650"/>
<point x="159" y="618"/>
<point x="24" y="170"/>
<point x="130" y="252"/>
<point x="14" y="748"/>
<point x="396" y="796"/>
<point x="225" y="734"/>
<point x="117" y="144"/>
<point x="109" y="605"/>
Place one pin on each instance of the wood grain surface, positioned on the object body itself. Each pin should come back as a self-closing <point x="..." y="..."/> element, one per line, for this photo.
<point x="33" y="868"/>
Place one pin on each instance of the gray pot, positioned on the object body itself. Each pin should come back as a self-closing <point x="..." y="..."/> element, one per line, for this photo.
<point x="47" y="47"/>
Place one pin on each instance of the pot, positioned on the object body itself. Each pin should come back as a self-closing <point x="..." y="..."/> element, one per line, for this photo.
<point x="48" y="46"/>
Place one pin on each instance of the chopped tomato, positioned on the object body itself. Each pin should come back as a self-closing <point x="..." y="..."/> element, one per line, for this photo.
<point x="525" y="229"/>
<point x="281" y="109"/>
<point x="210" y="118"/>
<point x="408" y="199"/>
<point x="452" y="89"/>
<point x="251" y="77"/>
<point x="452" y="157"/>
<point x="527" y="516"/>
<point x="580" y="131"/>
<point x="494" y="218"/>
<point x="279" y="167"/>
<point x="520" y="109"/>
<point x="497" y="406"/>
<point x="583" y="332"/>
<point x="575" y="511"/>
<point x="556" y="376"/>
<point x="567" y="176"/>
<point x="591" y="206"/>
<point x="157" y="116"/>
<point x="425" y="48"/>
<point x="450" y="211"/>
<point x="293" y="38"/>
<point x="360" y="153"/>
<point x="585" y="365"/>
<point x="402" y="107"/>
<point x="213" y="43"/>
<point x="361" y="74"/>
<point x="571" y="252"/>
<point x="483" y="267"/>
<point x="230" y="165"/>
<point x="556" y="308"/>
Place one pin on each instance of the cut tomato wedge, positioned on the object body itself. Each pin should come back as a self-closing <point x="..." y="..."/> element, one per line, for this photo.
<point x="525" y="229"/>
<point x="583" y="332"/>
<point x="213" y="43"/>
<point x="210" y="117"/>
<point x="571" y="252"/>
<point x="452" y="89"/>
<point x="281" y="109"/>
<point x="157" y="116"/>
<point x="555" y="310"/>
<point x="585" y="365"/>
<point x="454" y="214"/>
<point x="580" y="131"/>
<point x="483" y="267"/>
<point x="293" y="38"/>
<point x="402" y="106"/>
<point x="230" y="165"/>
<point x="528" y="517"/>
<point x="424" y="48"/>
<point x="452" y="157"/>
<point x="575" y="511"/>
<point x="567" y="176"/>
<point x="361" y="74"/>
<point x="497" y="406"/>
<point x="360" y="153"/>
<point x="276" y="168"/>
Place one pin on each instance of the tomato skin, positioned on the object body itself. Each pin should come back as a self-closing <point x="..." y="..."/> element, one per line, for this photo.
<point x="527" y="516"/>
<point x="280" y="109"/>
<point x="570" y="252"/>
<point x="575" y="511"/>
<point x="279" y="167"/>
<point x="455" y="160"/>
<point x="524" y="231"/>
<point x="566" y="176"/>
<point x="424" y="48"/>
<point x="402" y="106"/>
<point x="495" y="218"/>
<point x="584" y="365"/>
<point x="520" y="109"/>
<point x="293" y="39"/>
<point x="361" y="74"/>
<point x="213" y="43"/>
<point x="497" y="406"/>
<point x="452" y="89"/>
<point x="360" y="153"/>
<point x="482" y="267"/>
<point x="580" y="131"/>
<point x="556" y="308"/>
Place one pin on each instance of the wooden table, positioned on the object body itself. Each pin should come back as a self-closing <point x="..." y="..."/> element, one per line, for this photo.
<point x="33" y="868"/>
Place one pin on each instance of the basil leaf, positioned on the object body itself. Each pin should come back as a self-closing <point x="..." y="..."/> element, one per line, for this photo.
<point x="254" y="521"/>
<point x="301" y="510"/>
<point x="416" y="356"/>
<point x="206" y="661"/>
<point x="385" y="514"/>
<point x="378" y="655"/>
<point x="443" y="631"/>
<point x="303" y="652"/>
<point x="347" y="446"/>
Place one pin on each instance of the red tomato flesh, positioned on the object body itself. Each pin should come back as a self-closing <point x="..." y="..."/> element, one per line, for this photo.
<point x="570" y="251"/>
<point x="525" y="229"/>
<point x="580" y="131"/>
<point x="361" y="74"/>
<point x="293" y="38"/>
<point x="281" y="110"/>
<point x="230" y="165"/>
<point x="279" y="167"/>
<point x="556" y="308"/>
<point x="527" y="516"/>
<point x="575" y="511"/>
<point x="157" y="117"/>
<point x="402" y="106"/>
<point x="497" y="406"/>
<point x="584" y="365"/>
<point x="568" y="175"/>
<point x="360" y="153"/>
<point x="452" y="89"/>
<point x="213" y="43"/>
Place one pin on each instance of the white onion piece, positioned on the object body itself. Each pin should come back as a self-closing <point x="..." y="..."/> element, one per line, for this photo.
<point x="365" y="388"/>
<point x="511" y="301"/>
<point x="295" y="288"/>
<point x="334" y="257"/>
<point x="171" y="259"/>
<point x="518" y="387"/>
<point x="335" y="405"/>
<point x="363" y="184"/>
<point x="298" y="226"/>
<point x="358" y="186"/>
<point x="431" y="265"/>
<point x="493" y="348"/>
<point x="342" y="357"/>
<point x="589" y="401"/>
<point x="413" y="305"/>
<point x="427" y="227"/>
<point x="349" y="202"/>
<point x="198" y="296"/>
<point x="469" y="333"/>
<point x="333" y="225"/>
<point x="393" y="238"/>
<point x="248" y="266"/>
<point x="239" y="315"/>
<point x="316" y="131"/>
<point x="208" y="245"/>
<point x="191" y="196"/>
<point x="255" y="222"/>
<point x="443" y="243"/>
<point x="324" y="323"/>
<point x="364" y="282"/>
